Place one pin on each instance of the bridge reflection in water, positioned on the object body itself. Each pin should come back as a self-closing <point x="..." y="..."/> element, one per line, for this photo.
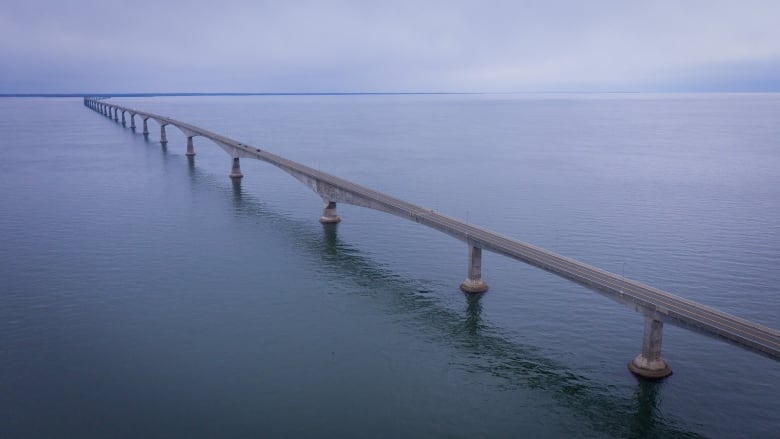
<point x="656" y="306"/>
<point x="517" y="365"/>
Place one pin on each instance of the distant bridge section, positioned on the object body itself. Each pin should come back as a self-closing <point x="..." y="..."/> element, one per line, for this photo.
<point x="657" y="306"/>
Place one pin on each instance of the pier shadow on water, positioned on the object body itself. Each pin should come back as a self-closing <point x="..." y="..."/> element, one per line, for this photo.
<point x="483" y="347"/>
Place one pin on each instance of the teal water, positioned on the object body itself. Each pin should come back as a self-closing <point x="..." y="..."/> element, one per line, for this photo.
<point x="142" y="294"/>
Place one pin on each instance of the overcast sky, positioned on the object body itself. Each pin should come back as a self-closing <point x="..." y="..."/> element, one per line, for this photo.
<point x="75" y="46"/>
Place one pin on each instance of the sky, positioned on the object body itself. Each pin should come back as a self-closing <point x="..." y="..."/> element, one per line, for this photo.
<point x="299" y="46"/>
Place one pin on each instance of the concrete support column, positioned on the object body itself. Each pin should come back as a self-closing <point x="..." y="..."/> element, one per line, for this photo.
<point x="190" y="147"/>
<point x="235" y="172"/>
<point x="649" y="364"/>
<point x="116" y="114"/>
<point x="329" y="214"/>
<point x="132" y="121"/>
<point x="146" y="128"/>
<point x="163" y="139"/>
<point x="123" y="119"/>
<point x="474" y="282"/>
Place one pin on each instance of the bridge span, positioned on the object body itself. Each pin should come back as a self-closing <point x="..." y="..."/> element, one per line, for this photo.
<point x="656" y="306"/>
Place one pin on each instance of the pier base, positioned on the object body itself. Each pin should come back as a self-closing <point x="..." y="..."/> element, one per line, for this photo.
<point x="124" y="122"/>
<point x="235" y="172"/>
<point x="146" y="128"/>
<point x="132" y="122"/>
<point x="474" y="282"/>
<point x="190" y="147"/>
<point x="163" y="138"/>
<point x="329" y="214"/>
<point x="649" y="363"/>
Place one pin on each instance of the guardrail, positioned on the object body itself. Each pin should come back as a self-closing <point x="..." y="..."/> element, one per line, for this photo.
<point x="655" y="305"/>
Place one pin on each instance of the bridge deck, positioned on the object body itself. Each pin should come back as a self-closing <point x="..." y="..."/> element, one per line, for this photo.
<point x="651" y="301"/>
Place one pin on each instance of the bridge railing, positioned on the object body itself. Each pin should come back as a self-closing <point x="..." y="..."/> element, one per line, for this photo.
<point x="657" y="306"/>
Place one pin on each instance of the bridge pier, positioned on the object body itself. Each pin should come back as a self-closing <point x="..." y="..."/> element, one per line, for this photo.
<point x="474" y="282"/>
<point x="649" y="363"/>
<point x="123" y="119"/>
<point x="190" y="147"/>
<point x="163" y="138"/>
<point x="329" y="214"/>
<point x="235" y="172"/>
<point x="132" y="122"/>
<point x="146" y="128"/>
<point x="116" y="115"/>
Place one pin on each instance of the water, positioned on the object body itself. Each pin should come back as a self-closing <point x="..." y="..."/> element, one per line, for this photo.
<point x="144" y="295"/>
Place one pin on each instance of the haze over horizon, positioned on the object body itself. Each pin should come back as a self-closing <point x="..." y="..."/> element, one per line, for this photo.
<point x="88" y="46"/>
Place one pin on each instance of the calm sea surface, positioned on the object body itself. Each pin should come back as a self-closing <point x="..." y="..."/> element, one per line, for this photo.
<point x="144" y="295"/>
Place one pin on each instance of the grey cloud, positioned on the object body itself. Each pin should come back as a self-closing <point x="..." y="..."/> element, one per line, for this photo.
<point x="376" y="46"/>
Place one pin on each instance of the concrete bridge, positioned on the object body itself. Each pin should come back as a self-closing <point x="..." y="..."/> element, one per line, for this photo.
<point x="656" y="306"/>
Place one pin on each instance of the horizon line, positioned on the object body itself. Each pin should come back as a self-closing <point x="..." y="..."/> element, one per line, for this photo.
<point x="338" y="93"/>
